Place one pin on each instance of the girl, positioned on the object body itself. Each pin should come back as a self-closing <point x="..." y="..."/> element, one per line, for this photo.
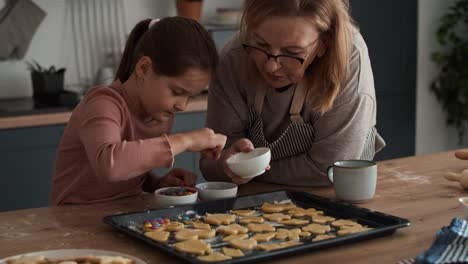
<point x="117" y="134"/>
<point x="297" y="79"/>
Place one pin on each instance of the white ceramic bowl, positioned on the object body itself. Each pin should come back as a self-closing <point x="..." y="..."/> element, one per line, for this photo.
<point x="250" y="164"/>
<point x="216" y="190"/>
<point x="464" y="203"/>
<point x="166" y="200"/>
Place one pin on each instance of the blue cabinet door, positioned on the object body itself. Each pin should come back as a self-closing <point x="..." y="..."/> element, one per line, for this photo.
<point x="27" y="158"/>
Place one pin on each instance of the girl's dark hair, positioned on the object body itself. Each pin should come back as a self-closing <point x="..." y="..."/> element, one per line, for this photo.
<point x="174" y="44"/>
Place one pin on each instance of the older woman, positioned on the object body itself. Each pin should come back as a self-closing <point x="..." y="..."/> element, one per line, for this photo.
<point x="297" y="79"/>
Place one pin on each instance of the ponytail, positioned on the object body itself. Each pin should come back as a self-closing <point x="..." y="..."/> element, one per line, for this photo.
<point x="126" y="63"/>
<point x="174" y="44"/>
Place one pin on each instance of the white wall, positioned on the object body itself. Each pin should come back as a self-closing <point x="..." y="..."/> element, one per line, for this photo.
<point x="51" y="43"/>
<point x="432" y="133"/>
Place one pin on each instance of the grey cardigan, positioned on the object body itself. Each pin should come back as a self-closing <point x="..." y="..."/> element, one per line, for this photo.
<point x="346" y="131"/>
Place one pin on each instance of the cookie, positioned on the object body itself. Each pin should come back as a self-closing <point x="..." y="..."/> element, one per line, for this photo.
<point x="294" y="222"/>
<point x="276" y="217"/>
<point x="232" y="252"/>
<point x="194" y="246"/>
<point x="316" y="228"/>
<point x="231" y="237"/>
<point x="352" y="230"/>
<point x="286" y="234"/>
<point x="219" y="219"/>
<point x="187" y="234"/>
<point x="276" y="208"/>
<point x="300" y="212"/>
<point x="344" y="222"/>
<point x="244" y="244"/>
<point x="160" y="236"/>
<point x="232" y="229"/>
<point x="271" y="247"/>
<point x="252" y="219"/>
<point x="323" y="237"/>
<point x="264" y="237"/>
<point x="259" y="228"/>
<point x="214" y="257"/>
<point x="198" y="225"/>
<point x="301" y="233"/>
<point x="173" y="226"/>
<point x="322" y="219"/>
<point x="244" y="212"/>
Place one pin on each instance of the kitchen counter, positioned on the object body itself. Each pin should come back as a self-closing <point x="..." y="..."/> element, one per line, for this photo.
<point x="411" y="188"/>
<point x="20" y="112"/>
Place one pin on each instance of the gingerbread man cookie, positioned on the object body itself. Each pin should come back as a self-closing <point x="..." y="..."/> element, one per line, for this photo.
<point x="232" y="229"/>
<point x="252" y="219"/>
<point x="194" y="246"/>
<point x="244" y="212"/>
<point x="276" y="217"/>
<point x="259" y="228"/>
<point x="215" y="257"/>
<point x="317" y="228"/>
<point x="244" y="244"/>
<point x="219" y="219"/>
<point x="276" y="208"/>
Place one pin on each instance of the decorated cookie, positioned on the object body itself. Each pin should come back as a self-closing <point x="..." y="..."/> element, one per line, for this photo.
<point x="276" y="217"/>
<point x="214" y="257"/>
<point x="276" y="208"/>
<point x="194" y="246"/>
<point x="259" y="228"/>
<point x="219" y="219"/>
<point x="264" y="237"/>
<point x="323" y="237"/>
<point x="300" y="212"/>
<point x="294" y="222"/>
<point x="160" y="236"/>
<point x="322" y="219"/>
<point x="238" y="236"/>
<point x="198" y="225"/>
<point x="252" y="219"/>
<point x="232" y="252"/>
<point x="316" y="228"/>
<point x="244" y="244"/>
<point x="244" y="212"/>
<point x="232" y="229"/>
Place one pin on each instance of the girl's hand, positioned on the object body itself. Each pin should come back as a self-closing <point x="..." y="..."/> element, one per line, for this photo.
<point x="178" y="177"/>
<point x="242" y="145"/>
<point x="205" y="140"/>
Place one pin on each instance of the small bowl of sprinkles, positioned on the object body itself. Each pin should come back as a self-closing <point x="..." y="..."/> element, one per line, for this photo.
<point x="170" y="196"/>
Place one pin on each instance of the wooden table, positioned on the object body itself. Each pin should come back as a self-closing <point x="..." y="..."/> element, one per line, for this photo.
<point x="412" y="188"/>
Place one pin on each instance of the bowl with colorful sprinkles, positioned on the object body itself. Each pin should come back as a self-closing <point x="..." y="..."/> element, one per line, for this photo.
<point x="170" y="196"/>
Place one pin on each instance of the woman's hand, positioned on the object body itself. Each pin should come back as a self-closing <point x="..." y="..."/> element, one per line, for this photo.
<point x="178" y="177"/>
<point x="242" y="145"/>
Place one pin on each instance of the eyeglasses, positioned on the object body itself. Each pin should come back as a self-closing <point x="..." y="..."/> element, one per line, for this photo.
<point x="262" y="56"/>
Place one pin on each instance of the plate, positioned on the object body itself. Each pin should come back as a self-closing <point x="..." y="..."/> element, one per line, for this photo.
<point x="61" y="253"/>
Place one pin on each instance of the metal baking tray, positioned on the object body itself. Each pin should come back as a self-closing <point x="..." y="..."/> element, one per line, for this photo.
<point x="382" y="224"/>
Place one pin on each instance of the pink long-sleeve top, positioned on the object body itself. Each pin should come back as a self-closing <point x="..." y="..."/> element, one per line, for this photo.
<point x="107" y="149"/>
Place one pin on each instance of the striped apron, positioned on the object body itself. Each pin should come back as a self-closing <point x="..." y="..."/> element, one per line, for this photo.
<point x="298" y="136"/>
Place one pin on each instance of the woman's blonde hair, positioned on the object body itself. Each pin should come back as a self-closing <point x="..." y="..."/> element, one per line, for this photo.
<point x="331" y="17"/>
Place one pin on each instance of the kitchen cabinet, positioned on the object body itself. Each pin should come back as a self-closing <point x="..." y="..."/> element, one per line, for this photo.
<point x="27" y="158"/>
